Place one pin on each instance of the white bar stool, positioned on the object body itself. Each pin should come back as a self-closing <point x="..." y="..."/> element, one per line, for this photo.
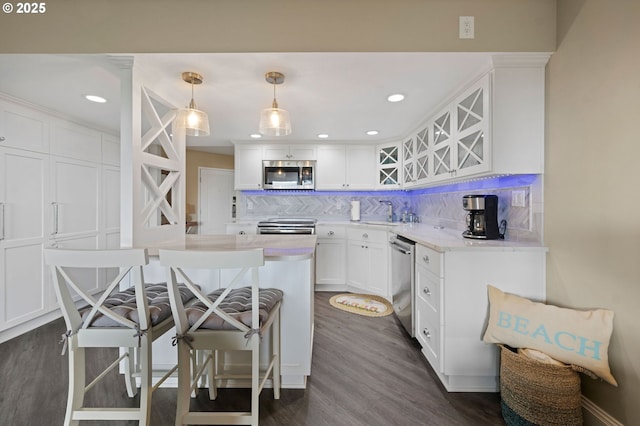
<point x="131" y="319"/>
<point x="231" y="318"/>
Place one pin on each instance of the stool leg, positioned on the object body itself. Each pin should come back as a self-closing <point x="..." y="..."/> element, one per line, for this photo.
<point x="77" y="383"/>
<point x="255" y="378"/>
<point x="275" y="333"/>
<point x="145" y="380"/>
<point x="212" y="375"/>
<point x="129" y="369"/>
<point x="184" y="382"/>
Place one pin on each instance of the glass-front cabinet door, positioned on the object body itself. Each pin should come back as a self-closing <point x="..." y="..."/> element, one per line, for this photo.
<point x="441" y="158"/>
<point x="389" y="166"/>
<point x="422" y="144"/>
<point x="408" y="162"/>
<point x="472" y="150"/>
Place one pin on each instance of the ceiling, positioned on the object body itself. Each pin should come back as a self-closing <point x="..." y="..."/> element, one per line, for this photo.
<point x="340" y="94"/>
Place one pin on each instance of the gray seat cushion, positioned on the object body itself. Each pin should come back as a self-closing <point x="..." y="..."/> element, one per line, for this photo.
<point x="124" y="303"/>
<point x="237" y="304"/>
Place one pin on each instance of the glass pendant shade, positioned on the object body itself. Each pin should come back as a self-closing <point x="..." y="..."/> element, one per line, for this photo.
<point x="275" y="122"/>
<point x="194" y="121"/>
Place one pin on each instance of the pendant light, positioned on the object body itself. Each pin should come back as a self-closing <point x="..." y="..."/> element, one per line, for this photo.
<point x="274" y="121"/>
<point x="194" y="121"/>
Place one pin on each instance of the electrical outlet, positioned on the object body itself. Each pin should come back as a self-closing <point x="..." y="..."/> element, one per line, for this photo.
<point x="249" y="205"/>
<point x="467" y="29"/>
<point x="517" y="198"/>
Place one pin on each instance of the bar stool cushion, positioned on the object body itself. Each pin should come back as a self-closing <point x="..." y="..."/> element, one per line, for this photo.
<point x="124" y="303"/>
<point x="237" y="304"/>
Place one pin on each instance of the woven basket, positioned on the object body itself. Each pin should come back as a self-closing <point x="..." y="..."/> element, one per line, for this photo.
<point x="535" y="393"/>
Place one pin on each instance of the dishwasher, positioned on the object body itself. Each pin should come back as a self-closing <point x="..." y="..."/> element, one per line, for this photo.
<point x="402" y="280"/>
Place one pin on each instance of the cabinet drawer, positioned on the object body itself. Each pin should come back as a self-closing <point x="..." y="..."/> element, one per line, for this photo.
<point x="367" y="235"/>
<point x="429" y="335"/>
<point x="331" y="231"/>
<point x="430" y="259"/>
<point x="428" y="289"/>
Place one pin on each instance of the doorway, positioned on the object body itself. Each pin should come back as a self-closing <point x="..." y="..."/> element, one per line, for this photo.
<point x="215" y="200"/>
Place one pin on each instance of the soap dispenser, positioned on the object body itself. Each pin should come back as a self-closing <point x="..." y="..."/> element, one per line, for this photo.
<point x="405" y="213"/>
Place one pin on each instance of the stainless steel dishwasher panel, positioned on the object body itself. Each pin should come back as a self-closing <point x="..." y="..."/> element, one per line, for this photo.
<point x="402" y="280"/>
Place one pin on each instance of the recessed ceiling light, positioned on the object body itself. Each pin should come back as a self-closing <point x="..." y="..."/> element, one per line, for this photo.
<point x="397" y="97"/>
<point x="323" y="135"/>
<point x="94" y="98"/>
<point x="372" y="132"/>
<point x="255" y="135"/>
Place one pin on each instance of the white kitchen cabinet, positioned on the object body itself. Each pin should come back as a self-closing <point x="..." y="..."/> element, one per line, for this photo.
<point x="389" y="166"/>
<point x="442" y="149"/>
<point x="417" y="158"/>
<point x="248" y="167"/>
<point x="451" y="306"/>
<point x="74" y="141"/>
<point x="343" y="168"/>
<point x="331" y="257"/>
<point x="75" y="197"/>
<point x="23" y="128"/>
<point x="493" y="127"/>
<point x="24" y="203"/>
<point x="50" y="200"/>
<point x="289" y="152"/>
<point x="368" y="261"/>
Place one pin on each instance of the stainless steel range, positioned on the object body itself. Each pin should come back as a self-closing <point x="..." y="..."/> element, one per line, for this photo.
<point x="287" y="225"/>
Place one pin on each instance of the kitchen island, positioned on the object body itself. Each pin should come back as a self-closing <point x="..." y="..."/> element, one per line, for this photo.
<point x="289" y="266"/>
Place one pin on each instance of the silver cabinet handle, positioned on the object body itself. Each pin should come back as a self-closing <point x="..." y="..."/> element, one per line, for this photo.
<point x="54" y="205"/>
<point x="365" y="235"/>
<point x="1" y="221"/>
<point x="330" y="233"/>
<point x="426" y="291"/>
<point x="241" y="233"/>
<point x="426" y="333"/>
<point x="2" y="139"/>
<point x="425" y="258"/>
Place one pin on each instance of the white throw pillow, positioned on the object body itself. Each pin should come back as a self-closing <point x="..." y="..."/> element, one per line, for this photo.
<point x="567" y="335"/>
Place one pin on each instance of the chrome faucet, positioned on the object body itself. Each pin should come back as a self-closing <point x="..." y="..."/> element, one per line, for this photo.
<point x="389" y="209"/>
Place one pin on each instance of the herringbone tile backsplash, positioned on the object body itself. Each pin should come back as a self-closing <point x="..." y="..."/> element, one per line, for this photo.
<point x="440" y="206"/>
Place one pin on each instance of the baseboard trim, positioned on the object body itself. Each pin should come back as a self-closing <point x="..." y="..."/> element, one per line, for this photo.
<point x="596" y="416"/>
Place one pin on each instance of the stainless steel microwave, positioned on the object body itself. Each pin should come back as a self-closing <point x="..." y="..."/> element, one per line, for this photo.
<point x="288" y="174"/>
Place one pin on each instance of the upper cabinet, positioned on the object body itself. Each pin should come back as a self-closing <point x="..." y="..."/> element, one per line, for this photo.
<point x="23" y="128"/>
<point x="389" y="166"/>
<point x="248" y="167"/>
<point x="460" y="135"/>
<point x="289" y="152"/>
<point x="345" y="167"/>
<point x="494" y="126"/>
<point x="416" y="158"/>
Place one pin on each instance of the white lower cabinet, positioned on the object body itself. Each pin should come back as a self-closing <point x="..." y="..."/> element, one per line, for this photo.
<point x="331" y="254"/>
<point x="451" y="307"/>
<point x="368" y="261"/>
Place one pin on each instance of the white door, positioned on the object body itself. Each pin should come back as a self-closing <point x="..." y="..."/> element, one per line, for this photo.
<point x="215" y="200"/>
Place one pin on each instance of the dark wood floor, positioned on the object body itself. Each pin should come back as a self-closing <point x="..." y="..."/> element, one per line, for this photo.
<point x="365" y="371"/>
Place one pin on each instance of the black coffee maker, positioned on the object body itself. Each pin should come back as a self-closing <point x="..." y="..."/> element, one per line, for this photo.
<point x="482" y="219"/>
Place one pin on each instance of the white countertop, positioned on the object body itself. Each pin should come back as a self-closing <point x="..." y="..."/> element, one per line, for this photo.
<point x="442" y="239"/>
<point x="276" y="247"/>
